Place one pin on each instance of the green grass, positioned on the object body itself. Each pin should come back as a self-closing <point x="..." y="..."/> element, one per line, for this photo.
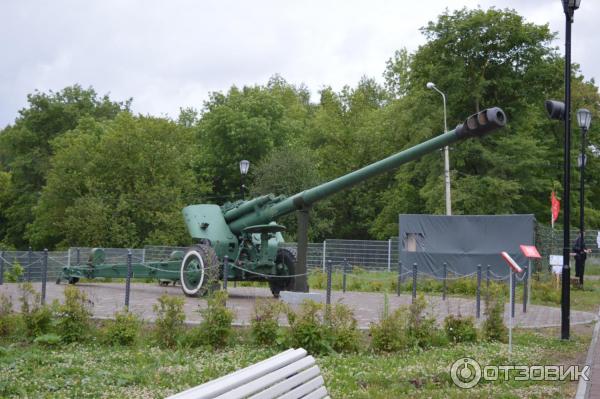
<point x="93" y="370"/>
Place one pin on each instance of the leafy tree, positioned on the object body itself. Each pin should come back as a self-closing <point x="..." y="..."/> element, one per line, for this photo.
<point x="247" y="123"/>
<point x="25" y="148"/>
<point x="480" y="58"/>
<point x="118" y="183"/>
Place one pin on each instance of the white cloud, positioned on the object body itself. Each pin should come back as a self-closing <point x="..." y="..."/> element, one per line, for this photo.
<point x="168" y="55"/>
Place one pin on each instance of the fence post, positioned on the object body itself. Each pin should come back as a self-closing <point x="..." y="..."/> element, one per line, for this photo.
<point x="78" y="256"/>
<point x="324" y="253"/>
<point x="29" y="261"/>
<point x="328" y="297"/>
<point x="344" y="275"/>
<point x="1" y="267"/>
<point x="414" y="283"/>
<point x="478" y="293"/>
<point x="525" y="290"/>
<point x="44" y="275"/>
<point x="513" y="283"/>
<point x="128" y="280"/>
<point x="444" y="281"/>
<point x="69" y="257"/>
<point x="399" y="278"/>
<point x="487" y="279"/>
<point x="225" y="271"/>
<point x="390" y="255"/>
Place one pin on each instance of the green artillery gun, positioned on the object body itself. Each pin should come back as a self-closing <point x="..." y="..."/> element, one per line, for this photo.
<point x="242" y="239"/>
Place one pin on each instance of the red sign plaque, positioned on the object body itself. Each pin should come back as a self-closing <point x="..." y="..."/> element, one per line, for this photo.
<point x="530" y="251"/>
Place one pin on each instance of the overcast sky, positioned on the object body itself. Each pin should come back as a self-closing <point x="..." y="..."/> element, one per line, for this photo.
<point x="171" y="54"/>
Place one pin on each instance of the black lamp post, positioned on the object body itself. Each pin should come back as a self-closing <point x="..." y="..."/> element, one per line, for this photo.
<point x="584" y="118"/>
<point x="569" y="7"/>
<point x="244" y="166"/>
<point x="562" y="111"/>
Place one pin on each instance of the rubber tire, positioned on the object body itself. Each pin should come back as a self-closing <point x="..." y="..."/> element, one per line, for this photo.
<point x="286" y="257"/>
<point x="73" y="280"/>
<point x="210" y="262"/>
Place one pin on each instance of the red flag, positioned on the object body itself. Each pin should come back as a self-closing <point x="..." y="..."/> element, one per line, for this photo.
<point x="555" y="207"/>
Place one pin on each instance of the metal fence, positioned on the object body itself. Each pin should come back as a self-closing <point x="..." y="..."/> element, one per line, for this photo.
<point x="347" y="260"/>
<point x="371" y="255"/>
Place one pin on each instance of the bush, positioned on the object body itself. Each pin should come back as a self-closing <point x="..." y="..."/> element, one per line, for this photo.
<point x="264" y="326"/>
<point x="307" y="329"/>
<point x="7" y="319"/>
<point x="390" y="334"/>
<point x="48" y="340"/>
<point x="124" y="330"/>
<point x="422" y="328"/>
<point x="545" y="292"/>
<point x="216" y="320"/>
<point x="37" y="318"/>
<point x="343" y="329"/>
<point x="460" y="329"/>
<point x="74" y="315"/>
<point x="493" y="328"/>
<point x="14" y="275"/>
<point x="169" y="319"/>
<point x="463" y="286"/>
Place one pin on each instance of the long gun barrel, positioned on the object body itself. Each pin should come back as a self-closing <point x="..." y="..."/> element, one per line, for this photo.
<point x="265" y="209"/>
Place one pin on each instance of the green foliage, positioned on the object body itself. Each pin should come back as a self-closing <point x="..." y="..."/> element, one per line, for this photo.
<point x="493" y="328"/>
<point x="307" y="329"/>
<point x="248" y="123"/>
<point x="169" y="320"/>
<point x="460" y="329"/>
<point x="118" y="183"/>
<point x="343" y="329"/>
<point x="74" y="315"/>
<point x="264" y="325"/>
<point x="124" y="330"/>
<point x="390" y="334"/>
<point x="14" y="275"/>
<point x="37" y="318"/>
<point x="545" y="292"/>
<point x="422" y="328"/>
<point x="216" y="326"/>
<point x="7" y="319"/>
<point x="25" y="148"/>
<point x="48" y="340"/>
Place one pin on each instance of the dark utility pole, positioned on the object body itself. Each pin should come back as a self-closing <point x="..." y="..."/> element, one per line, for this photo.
<point x="569" y="7"/>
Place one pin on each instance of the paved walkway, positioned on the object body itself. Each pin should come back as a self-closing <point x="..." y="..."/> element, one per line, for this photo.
<point x="109" y="297"/>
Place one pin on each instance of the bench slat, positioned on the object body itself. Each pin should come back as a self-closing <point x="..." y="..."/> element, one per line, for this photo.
<point x="306" y="389"/>
<point x="320" y="393"/>
<point x="231" y="381"/>
<point x="288" y="384"/>
<point x="268" y="380"/>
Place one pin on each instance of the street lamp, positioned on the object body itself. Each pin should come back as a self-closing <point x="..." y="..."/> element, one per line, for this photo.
<point x="562" y="111"/>
<point x="569" y="7"/>
<point x="584" y="118"/>
<point x="244" y="166"/>
<point x="431" y="85"/>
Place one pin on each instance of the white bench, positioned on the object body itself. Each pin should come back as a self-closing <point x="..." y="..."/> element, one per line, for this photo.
<point x="288" y="375"/>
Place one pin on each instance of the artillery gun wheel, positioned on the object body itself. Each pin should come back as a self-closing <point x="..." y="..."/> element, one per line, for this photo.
<point x="277" y="284"/>
<point x="73" y="280"/>
<point x="199" y="271"/>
